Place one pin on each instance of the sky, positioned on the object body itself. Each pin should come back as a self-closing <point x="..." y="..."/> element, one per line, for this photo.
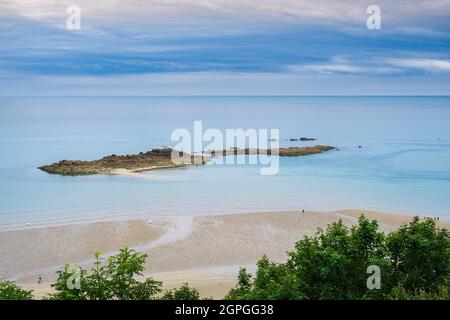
<point x="224" y="47"/>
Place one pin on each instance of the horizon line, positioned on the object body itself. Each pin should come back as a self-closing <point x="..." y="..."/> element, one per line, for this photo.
<point x="223" y="96"/>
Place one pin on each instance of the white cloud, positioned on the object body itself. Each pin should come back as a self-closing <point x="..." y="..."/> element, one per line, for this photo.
<point x="328" y="68"/>
<point x="430" y="65"/>
<point x="420" y="31"/>
<point x="248" y="10"/>
<point x="343" y="65"/>
<point x="374" y="66"/>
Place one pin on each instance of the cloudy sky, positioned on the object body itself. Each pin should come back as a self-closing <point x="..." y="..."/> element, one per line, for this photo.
<point x="224" y="47"/>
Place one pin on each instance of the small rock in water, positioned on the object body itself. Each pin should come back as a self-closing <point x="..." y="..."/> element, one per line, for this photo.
<point x="359" y="147"/>
<point x="307" y="139"/>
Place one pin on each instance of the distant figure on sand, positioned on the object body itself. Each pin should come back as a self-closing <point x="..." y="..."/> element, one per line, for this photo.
<point x="39" y="279"/>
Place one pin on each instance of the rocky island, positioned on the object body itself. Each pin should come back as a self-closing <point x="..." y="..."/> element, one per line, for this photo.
<point x="282" y="152"/>
<point x="160" y="159"/>
<point x="150" y="160"/>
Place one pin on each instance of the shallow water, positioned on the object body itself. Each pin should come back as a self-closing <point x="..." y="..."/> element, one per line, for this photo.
<point x="403" y="165"/>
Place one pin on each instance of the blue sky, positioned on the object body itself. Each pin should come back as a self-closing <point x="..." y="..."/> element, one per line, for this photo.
<point x="217" y="47"/>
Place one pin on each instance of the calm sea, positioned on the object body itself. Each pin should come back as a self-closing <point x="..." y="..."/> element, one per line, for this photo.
<point x="403" y="165"/>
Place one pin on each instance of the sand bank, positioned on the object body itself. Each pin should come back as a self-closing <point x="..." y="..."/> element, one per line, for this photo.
<point x="205" y="251"/>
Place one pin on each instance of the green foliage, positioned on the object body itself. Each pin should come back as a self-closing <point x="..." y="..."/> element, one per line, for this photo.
<point x="243" y="286"/>
<point x="420" y="255"/>
<point x="11" y="291"/>
<point x="414" y="263"/>
<point x="400" y="293"/>
<point x="111" y="278"/>
<point x="182" y="293"/>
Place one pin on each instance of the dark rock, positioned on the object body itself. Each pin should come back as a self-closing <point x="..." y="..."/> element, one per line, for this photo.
<point x="307" y="139"/>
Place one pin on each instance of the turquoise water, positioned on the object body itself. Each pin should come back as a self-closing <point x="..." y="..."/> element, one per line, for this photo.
<point x="403" y="165"/>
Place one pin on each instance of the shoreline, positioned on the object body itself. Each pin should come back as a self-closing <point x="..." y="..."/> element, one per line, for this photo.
<point x="205" y="251"/>
<point x="374" y="213"/>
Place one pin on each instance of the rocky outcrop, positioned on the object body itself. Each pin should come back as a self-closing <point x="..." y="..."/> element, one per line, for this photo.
<point x="307" y="139"/>
<point x="154" y="159"/>
<point x="283" y="152"/>
<point x="301" y="139"/>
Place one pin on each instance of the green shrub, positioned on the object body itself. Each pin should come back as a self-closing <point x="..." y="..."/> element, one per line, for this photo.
<point x="183" y="293"/>
<point x="11" y="291"/>
<point x="111" y="278"/>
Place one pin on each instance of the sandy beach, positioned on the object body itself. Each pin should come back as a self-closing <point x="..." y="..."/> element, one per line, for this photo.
<point x="205" y="251"/>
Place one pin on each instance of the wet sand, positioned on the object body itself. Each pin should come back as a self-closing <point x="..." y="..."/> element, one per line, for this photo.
<point x="205" y="251"/>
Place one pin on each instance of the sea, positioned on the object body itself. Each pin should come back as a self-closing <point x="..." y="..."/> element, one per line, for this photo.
<point x="393" y="155"/>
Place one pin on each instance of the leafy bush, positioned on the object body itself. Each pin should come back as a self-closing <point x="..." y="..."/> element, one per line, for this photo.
<point x="11" y="291"/>
<point x="111" y="278"/>
<point x="182" y="293"/>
